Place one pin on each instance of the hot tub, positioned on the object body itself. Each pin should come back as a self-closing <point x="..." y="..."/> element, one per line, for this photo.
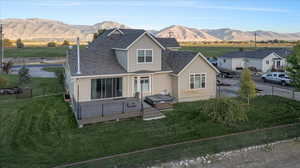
<point x="161" y="101"/>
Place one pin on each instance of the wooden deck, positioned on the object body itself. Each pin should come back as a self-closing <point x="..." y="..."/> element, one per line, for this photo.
<point x="114" y="109"/>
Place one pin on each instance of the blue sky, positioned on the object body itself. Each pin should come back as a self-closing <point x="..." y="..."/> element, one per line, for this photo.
<point x="274" y="15"/>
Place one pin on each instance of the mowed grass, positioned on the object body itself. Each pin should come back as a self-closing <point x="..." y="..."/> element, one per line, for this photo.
<point x="36" y="52"/>
<point x="41" y="132"/>
<point x="212" y="51"/>
<point x="39" y="86"/>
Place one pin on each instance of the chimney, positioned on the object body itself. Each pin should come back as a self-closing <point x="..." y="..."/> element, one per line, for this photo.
<point x="78" y="56"/>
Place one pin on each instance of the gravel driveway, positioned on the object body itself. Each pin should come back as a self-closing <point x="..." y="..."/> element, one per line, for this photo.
<point x="281" y="155"/>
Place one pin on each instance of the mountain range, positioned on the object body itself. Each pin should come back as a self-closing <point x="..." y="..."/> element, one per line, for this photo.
<point x="36" y="29"/>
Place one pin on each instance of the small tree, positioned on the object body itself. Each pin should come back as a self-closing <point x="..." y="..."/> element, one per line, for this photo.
<point x="7" y="66"/>
<point x="248" y="87"/>
<point x="24" y="76"/>
<point x="51" y="44"/>
<point x="3" y="82"/>
<point x="66" y="43"/>
<point x="227" y="111"/>
<point x="294" y="66"/>
<point x="19" y="43"/>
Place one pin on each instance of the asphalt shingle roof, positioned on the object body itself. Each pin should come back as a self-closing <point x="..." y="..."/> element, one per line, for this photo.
<point x="168" y="42"/>
<point x="259" y="53"/>
<point x="177" y="60"/>
<point x="99" y="58"/>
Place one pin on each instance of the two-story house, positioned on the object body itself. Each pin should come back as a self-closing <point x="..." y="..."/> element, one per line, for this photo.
<point x="121" y="66"/>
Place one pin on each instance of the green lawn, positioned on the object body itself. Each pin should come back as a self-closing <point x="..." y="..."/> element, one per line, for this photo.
<point x="37" y="52"/>
<point x="213" y="51"/>
<point x="41" y="132"/>
<point x="40" y="86"/>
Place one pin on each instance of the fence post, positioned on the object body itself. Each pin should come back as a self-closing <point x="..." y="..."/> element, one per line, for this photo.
<point x="272" y="90"/>
<point x="293" y="90"/>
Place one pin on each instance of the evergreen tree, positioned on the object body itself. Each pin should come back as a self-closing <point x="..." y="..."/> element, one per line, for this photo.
<point x="248" y="87"/>
<point x="24" y="76"/>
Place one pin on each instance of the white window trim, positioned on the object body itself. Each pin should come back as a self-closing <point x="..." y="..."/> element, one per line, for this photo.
<point x="139" y="84"/>
<point x="193" y="73"/>
<point x="137" y="56"/>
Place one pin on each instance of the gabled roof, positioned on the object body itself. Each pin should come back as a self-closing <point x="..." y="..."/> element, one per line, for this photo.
<point x="179" y="60"/>
<point x="168" y="42"/>
<point x="259" y="53"/>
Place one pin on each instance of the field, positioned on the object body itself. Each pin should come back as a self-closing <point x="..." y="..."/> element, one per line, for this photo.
<point x="35" y="52"/>
<point x="245" y="44"/>
<point x="41" y="132"/>
<point x="213" y="51"/>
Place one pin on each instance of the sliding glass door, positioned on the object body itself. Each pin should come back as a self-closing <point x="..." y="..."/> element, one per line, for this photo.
<point x="106" y="88"/>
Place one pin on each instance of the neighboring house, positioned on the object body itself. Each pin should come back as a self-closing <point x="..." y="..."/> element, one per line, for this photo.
<point x="264" y="59"/>
<point x="123" y="64"/>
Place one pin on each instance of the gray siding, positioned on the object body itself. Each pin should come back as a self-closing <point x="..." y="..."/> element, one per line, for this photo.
<point x="122" y="58"/>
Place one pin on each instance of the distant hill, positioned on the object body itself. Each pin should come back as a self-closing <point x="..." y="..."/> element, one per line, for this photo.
<point x="182" y="33"/>
<point x="37" y="29"/>
<point x="50" y="30"/>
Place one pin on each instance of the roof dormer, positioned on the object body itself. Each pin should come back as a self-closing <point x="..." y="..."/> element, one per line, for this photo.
<point x="115" y="31"/>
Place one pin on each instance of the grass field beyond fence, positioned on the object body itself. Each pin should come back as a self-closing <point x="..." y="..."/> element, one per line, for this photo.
<point x="35" y="52"/>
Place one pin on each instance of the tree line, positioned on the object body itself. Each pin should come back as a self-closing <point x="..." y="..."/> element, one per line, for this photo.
<point x="20" y="44"/>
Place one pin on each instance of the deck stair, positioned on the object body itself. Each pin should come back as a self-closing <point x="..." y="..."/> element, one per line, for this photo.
<point x="152" y="114"/>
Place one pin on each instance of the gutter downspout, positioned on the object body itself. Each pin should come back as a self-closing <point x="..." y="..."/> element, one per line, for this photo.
<point x="78" y="56"/>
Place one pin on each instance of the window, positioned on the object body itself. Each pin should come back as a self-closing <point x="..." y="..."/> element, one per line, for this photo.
<point x="267" y="62"/>
<point x="145" y="84"/>
<point x="106" y="88"/>
<point x="141" y="83"/>
<point x="197" y="81"/>
<point x="144" y="55"/>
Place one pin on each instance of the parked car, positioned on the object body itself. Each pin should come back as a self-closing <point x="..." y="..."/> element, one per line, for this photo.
<point x="277" y="77"/>
<point x="227" y="74"/>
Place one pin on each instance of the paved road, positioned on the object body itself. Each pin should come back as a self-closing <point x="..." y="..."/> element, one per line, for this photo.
<point x="282" y="155"/>
<point x="284" y="91"/>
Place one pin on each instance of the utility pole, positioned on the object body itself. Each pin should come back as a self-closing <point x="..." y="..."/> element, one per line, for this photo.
<point x="2" y="45"/>
<point x="255" y="39"/>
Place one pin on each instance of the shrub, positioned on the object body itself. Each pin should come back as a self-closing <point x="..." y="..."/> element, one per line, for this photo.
<point x="24" y="76"/>
<point x="226" y="111"/>
<point x="51" y="44"/>
<point x="3" y="82"/>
